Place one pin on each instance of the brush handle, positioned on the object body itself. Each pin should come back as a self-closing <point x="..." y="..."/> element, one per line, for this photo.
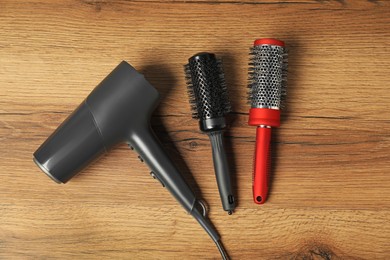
<point x="222" y="173"/>
<point x="261" y="164"/>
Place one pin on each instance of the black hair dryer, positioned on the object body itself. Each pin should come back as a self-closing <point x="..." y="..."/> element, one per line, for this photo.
<point x="118" y="110"/>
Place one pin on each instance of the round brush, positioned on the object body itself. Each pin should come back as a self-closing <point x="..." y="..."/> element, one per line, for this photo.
<point x="210" y="103"/>
<point x="267" y="90"/>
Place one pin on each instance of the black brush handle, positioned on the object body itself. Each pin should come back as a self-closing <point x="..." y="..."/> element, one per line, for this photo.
<point x="222" y="173"/>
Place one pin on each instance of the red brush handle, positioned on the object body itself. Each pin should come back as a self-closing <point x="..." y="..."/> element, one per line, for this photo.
<point x="261" y="164"/>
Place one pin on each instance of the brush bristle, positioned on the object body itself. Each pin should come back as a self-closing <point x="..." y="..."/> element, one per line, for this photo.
<point x="267" y="81"/>
<point x="206" y="86"/>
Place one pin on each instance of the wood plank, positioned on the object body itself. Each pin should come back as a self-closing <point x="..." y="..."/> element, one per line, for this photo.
<point x="330" y="196"/>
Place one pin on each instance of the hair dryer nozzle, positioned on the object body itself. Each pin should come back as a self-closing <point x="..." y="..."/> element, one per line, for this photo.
<point x="71" y="147"/>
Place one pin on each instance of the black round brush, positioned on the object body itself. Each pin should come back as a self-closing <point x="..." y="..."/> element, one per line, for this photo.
<point x="210" y="103"/>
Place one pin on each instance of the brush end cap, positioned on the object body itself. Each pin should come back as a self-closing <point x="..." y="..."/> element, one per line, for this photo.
<point x="268" y="41"/>
<point x="202" y="56"/>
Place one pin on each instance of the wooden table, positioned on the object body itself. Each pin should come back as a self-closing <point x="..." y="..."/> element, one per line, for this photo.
<point x="330" y="196"/>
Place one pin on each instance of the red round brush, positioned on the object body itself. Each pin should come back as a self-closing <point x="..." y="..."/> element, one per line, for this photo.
<point x="267" y="84"/>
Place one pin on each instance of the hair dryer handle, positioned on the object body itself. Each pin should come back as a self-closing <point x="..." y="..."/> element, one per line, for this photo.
<point x="152" y="153"/>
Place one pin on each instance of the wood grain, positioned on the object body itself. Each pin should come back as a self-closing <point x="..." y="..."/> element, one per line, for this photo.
<point x="330" y="196"/>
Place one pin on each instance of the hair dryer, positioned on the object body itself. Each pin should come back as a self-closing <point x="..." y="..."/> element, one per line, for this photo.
<point x="118" y="110"/>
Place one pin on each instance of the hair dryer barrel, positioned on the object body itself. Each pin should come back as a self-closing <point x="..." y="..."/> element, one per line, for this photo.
<point x="74" y="144"/>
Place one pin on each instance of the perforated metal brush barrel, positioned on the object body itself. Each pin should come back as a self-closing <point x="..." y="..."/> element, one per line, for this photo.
<point x="267" y="76"/>
<point x="207" y="87"/>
